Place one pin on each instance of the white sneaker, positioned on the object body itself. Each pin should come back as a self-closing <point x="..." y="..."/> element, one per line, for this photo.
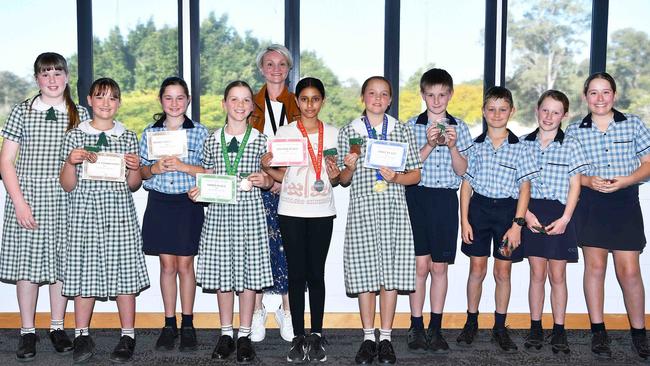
<point x="258" y="325"/>
<point x="284" y="323"/>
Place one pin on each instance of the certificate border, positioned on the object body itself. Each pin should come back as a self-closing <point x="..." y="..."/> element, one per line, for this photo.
<point x="231" y="201"/>
<point x="366" y="160"/>
<point x="152" y="156"/>
<point x="303" y="162"/>
<point x="86" y="176"/>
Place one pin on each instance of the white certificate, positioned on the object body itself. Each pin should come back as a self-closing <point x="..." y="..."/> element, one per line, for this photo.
<point x="288" y="151"/>
<point x="166" y="143"/>
<point x="109" y="167"/>
<point x="389" y="154"/>
<point x="217" y="188"/>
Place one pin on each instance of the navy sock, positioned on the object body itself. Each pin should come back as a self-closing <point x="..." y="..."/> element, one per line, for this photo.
<point x="187" y="320"/>
<point x="171" y="321"/>
<point x="499" y="320"/>
<point x="535" y="324"/>
<point x="557" y="328"/>
<point x="637" y="332"/>
<point x="417" y="322"/>
<point x="435" y="322"/>
<point x="472" y="318"/>
<point x="597" y="327"/>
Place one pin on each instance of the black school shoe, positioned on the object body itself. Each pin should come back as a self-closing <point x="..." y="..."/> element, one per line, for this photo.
<point x="640" y="346"/>
<point x="123" y="352"/>
<point x="224" y="348"/>
<point x="386" y="353"/>
<point x="60" y="341"/>
<point x="188" y="339"/>
<point x="416" y="340"/>
<point x="84" y="349"/>
<point x="467" y="335"/>
<point x="26" y="347"/>
<point x="315" y="348"/>
<point x="298" y="351"/>
<point x="366" y="353"/>
<point x="559" y="342"/>
<point x="504" y="341"/>
<point x="600" y="344"/>
<point x="437" y="343"/>
<point x="167" y="338"/>
<point x="535" y="339"/>
<point x="245" y="351"/>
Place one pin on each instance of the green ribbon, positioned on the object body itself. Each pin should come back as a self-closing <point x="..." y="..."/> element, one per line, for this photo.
<point x="51" y="115"/>
<point x="102" y="140"/>
<point x="231" y="169"/>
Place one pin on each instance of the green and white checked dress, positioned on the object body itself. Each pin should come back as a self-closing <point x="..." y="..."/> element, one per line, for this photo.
<point x="234" y="249"/>
<point x="104" y="255"/>
<point x="379" y="250"/>
<point x="34" y="255"/>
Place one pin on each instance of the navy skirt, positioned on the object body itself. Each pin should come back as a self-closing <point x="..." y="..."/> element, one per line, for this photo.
<point x="610" y="221"/>
<point x="172" y="224"/>
<point x="559" y="247"/>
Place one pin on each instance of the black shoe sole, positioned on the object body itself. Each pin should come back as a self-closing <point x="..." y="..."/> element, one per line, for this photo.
<point x="84" y="358"/>
<point x="115" y="360"/>
<point x="26" y="359"/>
<point x="564" y="349"/>
<point x="602" y="356"/>
<point x="506" y="351"/>
<point x="439" y="351"/>
<point x="464" y="344"/>
<point x="188" y="349"/>
<point x="638" y="356"/>
<point x="417" y="350"/>
<point x="246" y="362"/>
<point x="533" y="346"/>
<point x="369" y="362"/>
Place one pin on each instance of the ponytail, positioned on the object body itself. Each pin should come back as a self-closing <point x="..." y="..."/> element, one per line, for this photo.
<point x="73" y="113"/>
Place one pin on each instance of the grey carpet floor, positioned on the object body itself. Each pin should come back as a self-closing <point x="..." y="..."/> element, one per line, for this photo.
<point x="343" y="344"/>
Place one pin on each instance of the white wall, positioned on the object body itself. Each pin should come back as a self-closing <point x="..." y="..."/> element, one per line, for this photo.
<point x="337" y="301"/>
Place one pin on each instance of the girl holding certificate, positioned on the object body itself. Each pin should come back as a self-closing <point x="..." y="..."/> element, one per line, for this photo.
<point x="103" y="258"/>
<point x="306" y="212"/>
<point x="234" y="252"/>
<point x="172" y="223"/>
<point x="35" y="210"/>
<point x="379" y="255"/>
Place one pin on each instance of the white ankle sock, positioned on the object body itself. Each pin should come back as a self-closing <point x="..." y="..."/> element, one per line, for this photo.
<point x="384" y="334"/>
<point x="369" y="334"/>
<point x="243" y="332"/>
<point x="81" y="331"/>
<point x="27" y="330"/>
<point x="56" y="324"/>
<point x="226" y="330"/>
<point x="129" y="332"/>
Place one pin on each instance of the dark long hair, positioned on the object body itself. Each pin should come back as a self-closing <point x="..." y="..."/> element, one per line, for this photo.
<point x="172" y="80"/>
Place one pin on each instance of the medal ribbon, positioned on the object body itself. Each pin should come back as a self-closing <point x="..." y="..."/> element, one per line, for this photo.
<point x="271" y="114"/>
<point x="317" y="162"/>
<point x="373" y="135"/>
<point x="231" y="169"/>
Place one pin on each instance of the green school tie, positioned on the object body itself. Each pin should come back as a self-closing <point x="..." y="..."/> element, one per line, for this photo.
<point x="102" y="140"/>
<point x="233" y="146"/>
<point x="51" y="116"/>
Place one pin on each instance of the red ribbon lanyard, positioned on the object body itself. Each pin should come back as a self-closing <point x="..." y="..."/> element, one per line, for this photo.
<point x="316" y="162"/>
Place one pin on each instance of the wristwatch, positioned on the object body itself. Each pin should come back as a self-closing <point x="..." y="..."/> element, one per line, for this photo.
<point x="519" y="221"/>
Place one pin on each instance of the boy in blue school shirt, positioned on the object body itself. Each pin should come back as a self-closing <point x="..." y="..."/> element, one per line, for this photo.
<point x="499" y="173"/>
<point x="433" y="204"/>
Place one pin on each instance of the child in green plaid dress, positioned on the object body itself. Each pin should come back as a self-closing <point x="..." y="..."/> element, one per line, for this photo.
<point x="379" y="254"/>
<point x="233" y="252"/>
<point x="104" y="257"/>
<point x="35" y="209"/>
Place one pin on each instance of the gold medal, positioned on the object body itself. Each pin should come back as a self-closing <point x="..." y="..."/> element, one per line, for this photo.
<point x="380" y="186"/>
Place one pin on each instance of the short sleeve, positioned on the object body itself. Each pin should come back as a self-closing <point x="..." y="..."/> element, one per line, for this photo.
<point x="464" y="139"/>
<point x="578" y="163"/>
<point x="208" y="152"/>
<point x="413" y="156"/>
<point x="67" y="145"/>
<point x="83" y="113"/>
<point x="343" y="145"/>
<point x="526" y="168"/>
<point x="144" y="155"/>
<point x="641" y="138"/>
<point x="132" y="143"/>
<point x="13" y="128"/>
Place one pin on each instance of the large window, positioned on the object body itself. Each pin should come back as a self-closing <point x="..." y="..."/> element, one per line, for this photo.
<point x="548" y="48"/>
<point x="231" y="35"/>
<point x="445" y="35"/>
<point x="136" y="43"/>
<point x="342" y="43"/>
<point x="628" y="51"/>
<point x="23" y="42"/>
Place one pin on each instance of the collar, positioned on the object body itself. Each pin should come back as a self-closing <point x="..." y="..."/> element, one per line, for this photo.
<point x="240" y="137"/>
<point x="39" y="105"/>
<point x="559" y="137"/>
<point x="512" y="138"/>
<point x="260" y="102"/>
<point x="187" y="123"/>
<point x="360" y="127"/>
<point x="117" y="130"/>
<point x="586" y="122"/>
<point x="423" y="119"/>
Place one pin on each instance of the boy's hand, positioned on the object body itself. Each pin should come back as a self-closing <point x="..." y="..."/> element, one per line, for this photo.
<point x="452" y="137"/>
<point x="466" y="233"/>
<point x="597" y="183"/>
<point x="514" y="236"/>
<point x="193" y="193"/>
<point x="432" y="135"/>
<point x="616" y="183"/>
<point x="532" y="222"/>
<point x="558" y="226"/>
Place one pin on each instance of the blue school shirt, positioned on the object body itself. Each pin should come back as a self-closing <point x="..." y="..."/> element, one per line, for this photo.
<point x="436" y="168"/>
<point x="563" y="158"/>
<point x="175" y="182"/>
<point x="615" y="152"/>
<point x="497" y="173"/>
